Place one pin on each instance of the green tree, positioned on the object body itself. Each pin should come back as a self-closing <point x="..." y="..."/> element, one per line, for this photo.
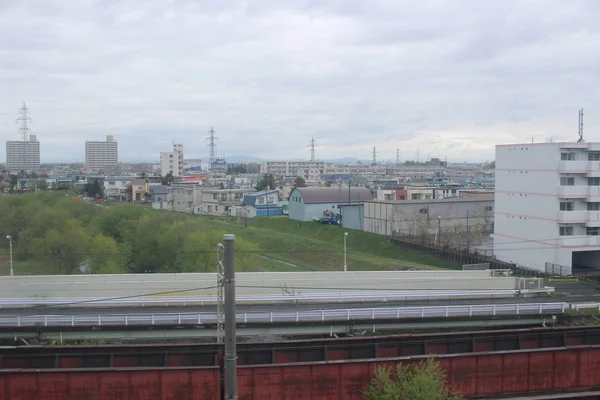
<point x="424" y="381"/>
<point x="299" y="182"/>
<point x="94" y="188"/>
<point x="267" y="182"/>
<point x="167" y="179"/>
<point x="63" y="249"/>
<point x="107" y="256"/>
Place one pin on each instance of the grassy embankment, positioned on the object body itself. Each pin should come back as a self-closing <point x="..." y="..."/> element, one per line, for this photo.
<point x="321" y="247"/>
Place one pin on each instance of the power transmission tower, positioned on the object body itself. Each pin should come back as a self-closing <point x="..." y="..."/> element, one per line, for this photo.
<point x="397" y="157"/>
<point x="374" y="156"/>
<point x="580" y="140"/>
<point x="312" y="149"/>
<point x="23" y="120"/>
<point x="212" y="146"/>
<point x="220" y="294"/>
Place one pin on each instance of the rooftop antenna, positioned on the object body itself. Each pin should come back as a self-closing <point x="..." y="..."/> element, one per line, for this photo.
<point x="580" y="140"/>
<point x="23" y="120"/>
<point x="212" y="146"/>
<point x="397" y="157"/>
<point x="374" y="156"/>
<point x="312" y="149"/>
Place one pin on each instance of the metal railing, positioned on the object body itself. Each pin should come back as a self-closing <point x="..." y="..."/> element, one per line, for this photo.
<point x="333" y="316"/>
<point x="585" y="306"/>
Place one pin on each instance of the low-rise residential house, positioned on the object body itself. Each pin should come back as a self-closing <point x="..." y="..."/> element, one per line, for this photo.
<point x="159" y="196"/>
<point x="180" y="197"/>
<point x="386" y="194"/>
<point x="481" y="194"/>
<point x="262" y="203"/>
<point x="414" y="193"/>
<point x="446" y="192"/>
<point x="139" y="189"/>
<point x="115" y="189"/>
<point x="216" y="201"/>
<point x="306" y="203"/>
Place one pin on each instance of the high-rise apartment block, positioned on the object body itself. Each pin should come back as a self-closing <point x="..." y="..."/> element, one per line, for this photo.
<point x="23" y="155"/>
<point x="547" y="205"/>
<point x="172" y="161"/>
<point x="101" y="155"/>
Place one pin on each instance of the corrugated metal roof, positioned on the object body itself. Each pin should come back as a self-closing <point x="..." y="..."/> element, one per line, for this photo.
<point x="312" y="195"/>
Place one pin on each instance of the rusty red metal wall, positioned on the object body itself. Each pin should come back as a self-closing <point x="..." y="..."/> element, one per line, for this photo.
<point x="122" y="384"/>
<point x="482" y="374"/>
<point x="200" y="355"/>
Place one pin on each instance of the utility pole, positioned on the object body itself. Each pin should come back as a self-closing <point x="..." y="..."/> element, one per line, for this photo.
<point x="230" y="359"/>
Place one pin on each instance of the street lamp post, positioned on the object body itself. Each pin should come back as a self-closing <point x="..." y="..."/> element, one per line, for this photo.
<point x="439" y="230"/>
<point x="467" y="220"/>
<point x="11" y="258"/>
<point x="345" y="258"/>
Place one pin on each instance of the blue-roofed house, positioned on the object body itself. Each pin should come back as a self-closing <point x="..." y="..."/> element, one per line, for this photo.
<point x="259" y="203"/>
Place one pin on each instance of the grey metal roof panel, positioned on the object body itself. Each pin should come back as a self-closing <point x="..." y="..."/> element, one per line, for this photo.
<point x="312" y="195"/>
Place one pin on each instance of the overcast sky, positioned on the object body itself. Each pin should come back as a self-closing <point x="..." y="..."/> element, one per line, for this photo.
<point x="446" y="77"/>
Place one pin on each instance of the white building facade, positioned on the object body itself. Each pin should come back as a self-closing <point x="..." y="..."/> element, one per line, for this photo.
<point x="547" y="205"/>
<point x="23" y="155"/>
<point x="308" y="170"/>
<point x="172" y="161"/>
<point x="100" y="155"/>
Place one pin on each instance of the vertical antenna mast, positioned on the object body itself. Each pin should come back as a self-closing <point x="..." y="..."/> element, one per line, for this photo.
<point x="23" y="120"/>
<point x="212" y="146"/>
<point x="580" y="126"/>
<point x="312" y="149"/>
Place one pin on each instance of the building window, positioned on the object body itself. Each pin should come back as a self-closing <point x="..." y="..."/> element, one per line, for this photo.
<point x="566" y="206"/>
<point x="594" y="156"/>
<point x="567" y="181"/>
<point x="488" y="208"/>
<point x="215" y="196"/>
<point x="595" y="231"/>
<point x="567" y="156"/>
<point x="595" y="206"/>
<point x="566" y="231"/>
<point x="593" y="181"/>
<point x="424" y="211"/>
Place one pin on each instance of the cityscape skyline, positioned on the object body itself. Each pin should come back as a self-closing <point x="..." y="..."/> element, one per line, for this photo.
<point x="448" y="78"/>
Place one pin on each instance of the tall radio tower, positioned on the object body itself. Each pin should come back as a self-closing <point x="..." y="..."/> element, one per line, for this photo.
<point x="23" y="120"/>
<point x="397" y="156"/>
<point x="212" y="146"/>
<point x="374" y="156"/>
<point x="580" y="140"/>
<point x="313" y="144"/>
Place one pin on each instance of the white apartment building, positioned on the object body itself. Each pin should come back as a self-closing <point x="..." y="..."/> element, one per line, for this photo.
<point x="172" y="161"/>
<point x="309" y="170"/>
<point x="547" y="204"/>
<point x="23" y="155"/>
<point x="100" y="155"/>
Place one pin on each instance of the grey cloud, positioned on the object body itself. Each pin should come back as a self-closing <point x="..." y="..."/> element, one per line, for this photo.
<point x="269" y="75"/>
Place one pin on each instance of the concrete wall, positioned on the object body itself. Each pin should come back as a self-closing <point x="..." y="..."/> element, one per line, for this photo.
<point x="353" y="216"/>
<point x="406" y="217"/>
<point x="202" y="284"/>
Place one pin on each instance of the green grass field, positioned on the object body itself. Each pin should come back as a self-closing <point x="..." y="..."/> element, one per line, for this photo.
<point x="321" y="247"/>
<point x="284" y="245"/>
